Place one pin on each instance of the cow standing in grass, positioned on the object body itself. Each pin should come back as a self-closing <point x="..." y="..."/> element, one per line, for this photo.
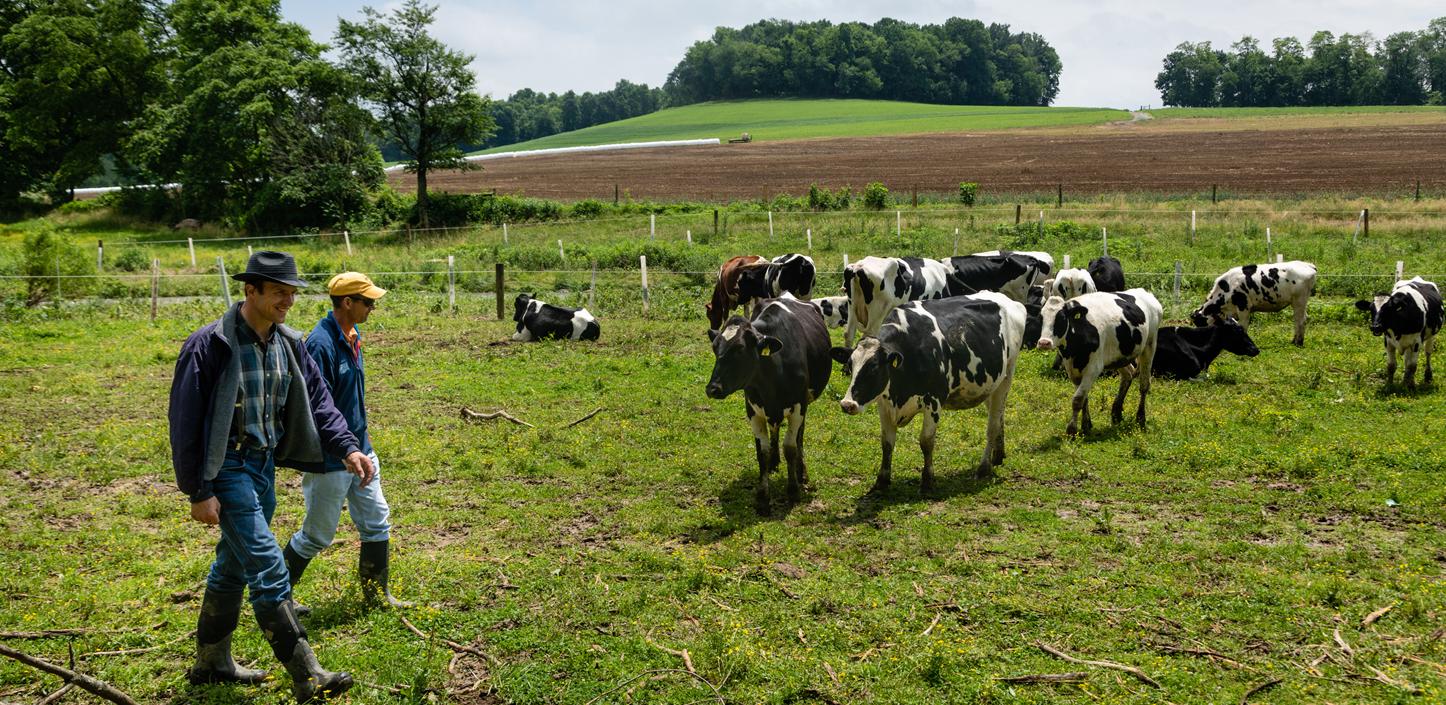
<point x="792" y="273"/>
<point x="1043" y="262"/>
<point x="1106" y="273"/>
<point x="780" y="359"/>
<point x="1104" y="331"/>
<point x="952" y="353"/>
<point x="1408" y="319"/>
<point x="725" y="290"/>
<point x="1260" y="287"/>
<point x="875" y="285"/>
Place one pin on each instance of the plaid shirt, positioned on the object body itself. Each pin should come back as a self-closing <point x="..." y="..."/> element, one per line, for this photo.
<point x="265" y="379"/>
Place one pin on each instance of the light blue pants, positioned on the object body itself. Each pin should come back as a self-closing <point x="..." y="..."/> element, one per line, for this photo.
<point x="324" y="493"/>
<point x="247" y="554"/>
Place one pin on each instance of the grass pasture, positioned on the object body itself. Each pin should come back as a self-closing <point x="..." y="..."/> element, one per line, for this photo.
<point x="767" y="120"/>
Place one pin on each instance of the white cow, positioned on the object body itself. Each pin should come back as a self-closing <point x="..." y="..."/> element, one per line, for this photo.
<point x="1104" y="331"/>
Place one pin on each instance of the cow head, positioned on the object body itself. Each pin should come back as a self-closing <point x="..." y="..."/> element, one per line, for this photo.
<point x="1233" y="338"/>
<point x="738" y="350"/>
<point x="868" y="367"/>
<point x="1391" y="312"/>
<point x="519" y="306"/>
<point x="1054" y="326"/>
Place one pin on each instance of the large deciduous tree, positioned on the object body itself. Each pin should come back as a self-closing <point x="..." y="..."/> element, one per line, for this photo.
<point x="420" y="92"/>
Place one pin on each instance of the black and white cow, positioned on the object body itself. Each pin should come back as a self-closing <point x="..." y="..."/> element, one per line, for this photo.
<point x="780" y="359"/>
<point x="1104" y="331"/>
<point x="1260" y="287"/>
<point x="1070" y="283"/>
<point x="1408" y="319"/>
<point x="793" y="273"/>
<point x="835" y="310"/>
<point x="1044" y="260"/>
<point x="1107" y="273"/>
<point x="875" y="285"/>
<point x="1033" y="318"/>
<point x="928" y="356"/>
<point x="538" y="321"/>
<point x="1185" y="352"/>
<point x="1008" y="274"/>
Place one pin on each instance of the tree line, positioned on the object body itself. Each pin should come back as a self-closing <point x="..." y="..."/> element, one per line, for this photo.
<point x="1407" y="68"/>
<point x="234" y="105"/>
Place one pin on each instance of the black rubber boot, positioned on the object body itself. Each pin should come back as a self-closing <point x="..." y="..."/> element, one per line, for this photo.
<point x="372" y="567"/>
<point x="309" y="681"/>
<point x="295" y="566"/>
<point x="219" y="614"/>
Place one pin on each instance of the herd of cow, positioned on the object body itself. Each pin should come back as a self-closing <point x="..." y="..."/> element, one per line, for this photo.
<point x="946" y="334"/>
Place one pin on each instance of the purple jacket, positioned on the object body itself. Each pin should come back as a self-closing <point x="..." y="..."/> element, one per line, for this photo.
<point x="203" y="398"/>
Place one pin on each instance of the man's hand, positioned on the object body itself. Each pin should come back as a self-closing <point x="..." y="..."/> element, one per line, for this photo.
<point x="358" y="464"/>
<point x="207" y="511"/>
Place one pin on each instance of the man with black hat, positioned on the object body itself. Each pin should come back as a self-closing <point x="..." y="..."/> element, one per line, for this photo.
<point x="336" y="346"/>
<point x="245" y="398"/>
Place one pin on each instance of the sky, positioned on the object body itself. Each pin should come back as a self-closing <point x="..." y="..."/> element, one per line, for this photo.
<point x="1110" y="49"/>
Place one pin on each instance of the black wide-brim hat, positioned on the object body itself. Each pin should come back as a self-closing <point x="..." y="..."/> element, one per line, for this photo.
<point x="271" y="266"/>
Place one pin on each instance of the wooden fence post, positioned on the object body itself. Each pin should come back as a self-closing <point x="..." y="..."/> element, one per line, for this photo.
<point x="451" y="282"/>
<point x="191" y="244"/>
<point x="643" y="262"/>
<point x="225" y="284"/>
<point x="99" y="256"/>
<point x="499" y="291"/>
<point x="956" y="242"/>
<point x="1192" y="227"/>
<point x="898" y="223"/>
<point x="1104" y="242"/>
<point x="770" y="225"/>
<point x="504" y="234"/>
<point x="1366" y="222"/>
<point x="1418" y="189"/>
<point x="715" y="222"/>
<point x="1066" y="261"/>
<point x="1400" y="270"/>
<point x="615" y="194"/>
<point x="346" y="236"/>
<point x="1212" y="194"/>
<point x="1059" y="202"/>
<point x="155" y="287"/>
<point x="1017" y="210"/>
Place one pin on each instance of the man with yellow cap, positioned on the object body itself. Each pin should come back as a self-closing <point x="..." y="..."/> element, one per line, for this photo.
<point x="336" y="346"/>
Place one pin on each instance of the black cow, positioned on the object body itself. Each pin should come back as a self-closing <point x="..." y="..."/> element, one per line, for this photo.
<point x="1185" y="352"/>
<point x="1107" y="273"/>
<point x="780" y="359"/>
<point x="1008" y="274"/>
<point x="952" y="353"/>
<point x="1408" y="319"/>
<point x="1033" y="321"/>
<point x="793" y="273"/>
<point x="538" y="321"/>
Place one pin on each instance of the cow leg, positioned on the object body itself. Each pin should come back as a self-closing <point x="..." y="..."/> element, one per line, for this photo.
<point x="1410" y="355"/>
<point x="1243" y="318"/>
<point x="1080" y="403"/>
<point x="1390" y="364"/>
<point x="1147" y="364"/>
<point x="793" y="452"/>
<point x="762" y="500"/>
<point x="1300" y="316"/>
<point x="849" y="330"/>
<point x="773" y="446"/>
<point x="1430" y="345"/>
<point x="888" y="432"/>
<point x="994" y="438"/>
<point x="1117" y="409"/>
<point x="928" y="428"/>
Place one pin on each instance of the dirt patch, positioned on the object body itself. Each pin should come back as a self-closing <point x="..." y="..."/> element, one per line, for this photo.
<point x="1171" y="156"/>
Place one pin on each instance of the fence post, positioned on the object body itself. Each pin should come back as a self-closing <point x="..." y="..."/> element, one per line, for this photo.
<point x="652" y="225"/>
<point x="1017" y="209"/>
<point x="99" y="256"/>
<point x="560" y="254"/>
<point x="1366" y="223"/>
<point x="248" y="251"/>
<point x="615" y="194"/>
<point x="451" y="282"/>
<point x="690" y="237"/>
<point x="846" y="261"/>
<point x="504" y="234"/>
<point x="1269" y="246"/>
<point x="1192" y="227"/>
<point x="1400" y="270"/>
<point x="1279" y="258"/>
<point x="191" y="245"/>
<point x="1066" y="261"/>
<point x="1418" y="189"/>
<point x="916" y="196"/>
<point x="155" y="286"/>
<point x="643" y="261"/>
<point x="1212" y="194"/>
<point x="346" y="236"/>
<point x="1059" y="202"/>
<point x="592" y="288"/>
<point x="57" y="280"/>
<point x="1178" y="270"/>
<point x="1104" y="241"/>
<point x="770" y="224"/>
<point x="1041" y="224"/>
<point x="898" y="222"/>
<point x="809" y="232"/>
<point x="1357" y="232"/>
<point x="715" y="221"/>
<point x="499" y="291"/>
<point x="956" y="242"/>
<point x="225" y="284"/>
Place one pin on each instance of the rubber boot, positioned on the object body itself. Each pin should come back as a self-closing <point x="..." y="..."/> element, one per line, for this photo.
<point x="372" y="568"/>
<point x="219" y="614"/>
<point x="295" y="566"/>
<point x="309" y="681"/>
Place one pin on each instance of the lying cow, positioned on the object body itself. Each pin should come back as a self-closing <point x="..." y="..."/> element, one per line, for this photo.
<point x="835" y="310"/>
<point x="875" y="285"/>
<point x="1107" y="273"/>
<point x="792" y="273"/>
<point x="725" y="290"/>
<point x="539" y="321"/>
<point x="1104" y="331"/>
<point x="1185" y="352"/>
<point x="1259" y="287"/>
<point x="1408" y="319"/>
<point x="928" y="356"/>
<point x="780" y="359"/>
<point x="1044" y="262"/>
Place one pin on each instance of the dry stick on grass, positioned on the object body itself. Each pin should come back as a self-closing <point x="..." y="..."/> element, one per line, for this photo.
<point x="1383" y="678"/>
<point x="1263" y="686"/>
<point x="1099" y="664"/>
<point x="450" y="644"/>
<point x="470" y="415"/>
<point x="77" y="631"/>
<point x="147" y="649"/>
<point x="89" y="684"/>
<point x="831" y="674"/>
<point x="57" y="695"/>
<point x="654" y="672"/>
<point x="683" y="654"/>
<point x="1372" y="617"/>
<point x="1212" y="655"/>
<point x="932" y="624"/>
<point x="1342" y="643"/>
<point x="1071" y="677"/>
<point x="591" y="414"/>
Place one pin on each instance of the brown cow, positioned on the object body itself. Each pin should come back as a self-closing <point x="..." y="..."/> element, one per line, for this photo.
<point x="725" y="292"/>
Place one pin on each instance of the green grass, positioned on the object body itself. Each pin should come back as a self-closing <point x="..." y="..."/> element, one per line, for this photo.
<point x="802" y="119"/>
<point x="1169" y="113"/>
<point x="1265" y="509"/>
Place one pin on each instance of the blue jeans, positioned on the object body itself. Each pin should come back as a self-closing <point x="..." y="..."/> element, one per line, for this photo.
<point x="248" y="554"/>
<point x="325" y="492"/>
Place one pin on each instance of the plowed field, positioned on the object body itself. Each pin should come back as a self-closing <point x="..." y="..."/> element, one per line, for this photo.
<point x="1167" y="157"/>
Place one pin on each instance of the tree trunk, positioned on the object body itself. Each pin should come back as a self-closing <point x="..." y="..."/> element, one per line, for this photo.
<point x="422" y="195"/>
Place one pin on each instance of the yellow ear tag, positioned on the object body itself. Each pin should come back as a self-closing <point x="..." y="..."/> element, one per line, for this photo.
<point x="895" y="362"/>
<point x="764" y="352"/>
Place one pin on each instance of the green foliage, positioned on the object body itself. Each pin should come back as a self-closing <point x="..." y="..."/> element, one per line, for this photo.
<point x="132" y="259"/>
<point x="47" y="254"/>
<point x="821" y="199"/>
<point x="150" y="204"/>
<point x="390" y="206"/>
<point x="528" y="115"/>
<point x="89" y="205"/>
<point x="587" y="208"/>
<point x="876" y="196"/>
<point x="968" y="193"/>
<point x="1028" y="235"/>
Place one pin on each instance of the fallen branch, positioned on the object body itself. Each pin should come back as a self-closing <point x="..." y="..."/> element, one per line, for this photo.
<point x="470" y="415"/>
<point x="147" y="649"/>
<point x="1212" y="655"/>
<point x="657" y="671"/>
<point x="1372" y="617"/>
<point x="89" y="684"/>
<point x="76" y="631"/>
<point x="450" y="644"/>
<point x="932" y="624"/>
<point x="1346" y="648"/>
<point x="1424" y="662"/>
<point x="57" y="695"/>
<point x="1137" y="673"/>
<point x="593" y="413"/>
<point x="1383" y="678"/>
<point x="1071" y="677"/>
<point x="1263" y="686"/>
<point x="683" y="654"/>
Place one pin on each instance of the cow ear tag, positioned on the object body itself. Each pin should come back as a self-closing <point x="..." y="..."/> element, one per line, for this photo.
<point x="895" y="361"/>
<point x="764" y="351"/>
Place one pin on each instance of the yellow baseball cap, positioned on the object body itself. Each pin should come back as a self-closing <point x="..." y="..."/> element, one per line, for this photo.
<point x="352" y="283"/>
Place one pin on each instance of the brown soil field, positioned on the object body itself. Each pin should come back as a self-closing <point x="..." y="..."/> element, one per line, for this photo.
<point x="1263" y="158"/>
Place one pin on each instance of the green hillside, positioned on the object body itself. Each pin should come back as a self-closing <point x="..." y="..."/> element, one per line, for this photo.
<point x="801" y="119"/>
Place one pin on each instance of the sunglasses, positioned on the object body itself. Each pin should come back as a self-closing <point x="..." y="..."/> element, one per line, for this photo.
<point x="369" y="303"/>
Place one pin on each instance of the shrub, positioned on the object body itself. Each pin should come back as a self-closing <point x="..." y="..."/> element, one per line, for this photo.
<point x="131" y="259"/>
<point x="968" y="193"/>
<point x="89" y="205"/>
<point x="588" y="208"/>
<point x="390" y="206"/>
<point x="821" y="199"/>
<point x="46" y="255"/>
<point x="876" y="196"/>
<point x="153" y="204"/>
